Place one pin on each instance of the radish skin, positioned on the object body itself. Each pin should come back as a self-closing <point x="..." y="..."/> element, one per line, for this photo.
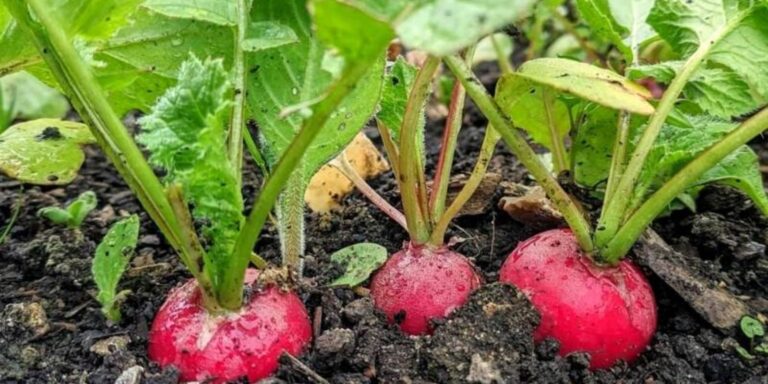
<point x="609" y="313"/>
<point x="227" y="347"/>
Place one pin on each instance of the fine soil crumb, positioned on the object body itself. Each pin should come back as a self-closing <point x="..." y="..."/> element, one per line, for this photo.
<point x="485" y="340"/>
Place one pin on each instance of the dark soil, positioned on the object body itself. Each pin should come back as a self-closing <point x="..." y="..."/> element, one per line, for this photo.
<point x="51" y="329"/>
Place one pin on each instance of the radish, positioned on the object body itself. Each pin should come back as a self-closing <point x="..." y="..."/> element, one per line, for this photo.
<point x="425" y="280"/>
<point x="220" y="348"/>
<point x="608" y="312"/>
<point x="418" y="284"/>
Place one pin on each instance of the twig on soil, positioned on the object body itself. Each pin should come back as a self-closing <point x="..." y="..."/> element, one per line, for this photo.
<point x="14" y="215"/>
<point x="302" y="368"/>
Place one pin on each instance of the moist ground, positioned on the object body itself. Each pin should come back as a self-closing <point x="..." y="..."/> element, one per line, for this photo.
<point x="51" y="330"/>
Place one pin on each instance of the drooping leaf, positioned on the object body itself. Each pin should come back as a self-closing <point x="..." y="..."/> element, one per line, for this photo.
<point x="220" y="12"/>
<point x="740" y="36"/>
<point x="267" y="34"/>
<point x="293" y="77"/>
<point x="394" y="99"/>
<point x="44" y="151"/>
<point x="741" y="170"/>
<point x="111" y="258"/>
<point x="25" y="97"/>
<point x="360" y="261"/>
<point x="586" y="81"/>
<point x="186" y="134"/>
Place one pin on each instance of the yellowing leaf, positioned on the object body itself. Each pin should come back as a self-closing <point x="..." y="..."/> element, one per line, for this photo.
<point x="44" y="151"/>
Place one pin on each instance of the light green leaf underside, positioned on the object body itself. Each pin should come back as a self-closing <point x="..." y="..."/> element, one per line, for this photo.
<point x="442" y="27"/>
<point x="44" y="151"/>
<point x="292" y="75"/>
<point x="267" y="34"/>
<point x="583" y="80"/>
<point x="220" y="12"/>
<point x="25" y="97"/>
<point x="741" y="170"/>
<point x="112" y="257"/>
<point x="360" y="261"/>
<point x="186" y="134"/>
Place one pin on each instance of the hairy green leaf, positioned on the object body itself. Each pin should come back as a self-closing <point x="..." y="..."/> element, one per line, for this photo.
<point x="286" y="80"/>
<point x="715" y="90"/>
<point x="394" y="99"/>
<point x="739" y="56"/>
<point x="24" y="97"/>
<point x="186" y="134"/>
<point x="359" y="261"/>
<point x="112" y="257"/>
<point x="592" y="147"/>
<point x="44" y="151"/>
<point x="677" y="145"/>
<point x="598" y="15"/>
<point x="586" y="81"/>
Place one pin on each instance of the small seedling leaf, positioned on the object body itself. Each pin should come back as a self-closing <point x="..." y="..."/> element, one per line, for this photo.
<point x="192" y="148"/>
<point x="112" y="257"/>
<point x="744" y="353"/>
<point x="762" y="349"/>
<point x="360" y="261"/>
<point x="56" y="215"/>
<point x="81" y="207"/>
<point x="44" y="151"/>
<point x="751" y="327"/>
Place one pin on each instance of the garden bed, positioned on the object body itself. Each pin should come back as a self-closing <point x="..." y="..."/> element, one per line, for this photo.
<point x="53" y="332"/>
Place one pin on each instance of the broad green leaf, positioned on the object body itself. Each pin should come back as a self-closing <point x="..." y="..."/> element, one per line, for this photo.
<point x="25" y="97"/>
<point x="359" y="261"/>
<point x="442" y="27"/>
<point x="535" y="109"/>
<point x="595" y="84"/>
<point x="715" y="90"/>
<point x="186" y="134"/>
<point x="267" y="34"/>
<point x="740" y="33"/>
<point x="621" y="22"/>
<point x="292" y="77"/>
<point x="592" y="148"/>
<point x="221" y="12"/>
<point x="111" y="258"/>
<point x="394" y="99"/>
<point x="44" y="151"/>
<point x="597" y="14"/>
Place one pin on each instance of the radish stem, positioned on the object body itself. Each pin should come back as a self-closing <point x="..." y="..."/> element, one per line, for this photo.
<point x="236" y="123"/>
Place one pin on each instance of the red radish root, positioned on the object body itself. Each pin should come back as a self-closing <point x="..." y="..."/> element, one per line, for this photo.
<point x="609" y="313"/>
<point x="230" y="346"/>
<point x="419" y="284"/>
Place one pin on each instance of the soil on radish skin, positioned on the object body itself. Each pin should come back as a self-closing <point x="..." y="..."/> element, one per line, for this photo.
<point x="51" y="330"/>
